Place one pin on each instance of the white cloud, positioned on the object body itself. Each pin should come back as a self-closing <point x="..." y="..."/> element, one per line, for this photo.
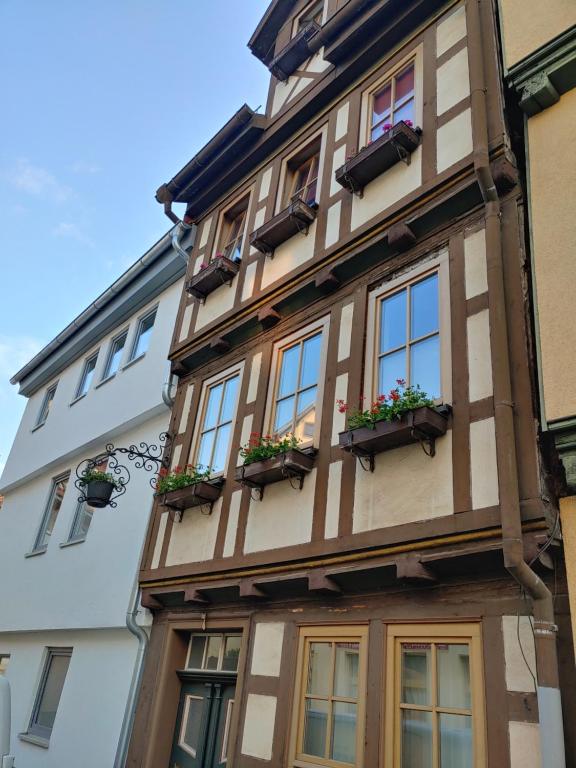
<point x="37" y="181"/>
<point x="80" y="166"/>
<point x="73" y="232"/>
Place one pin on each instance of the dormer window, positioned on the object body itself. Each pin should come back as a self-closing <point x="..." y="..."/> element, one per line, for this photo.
<point x="232" y="231"/>
<point x="311" y="14"/>
<point x="393" y="102"/>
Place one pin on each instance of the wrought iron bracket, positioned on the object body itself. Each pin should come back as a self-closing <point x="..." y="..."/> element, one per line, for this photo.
<point x="366" y="460"/>
<point x="427" y="443"/>
<point x="404" y="156"/>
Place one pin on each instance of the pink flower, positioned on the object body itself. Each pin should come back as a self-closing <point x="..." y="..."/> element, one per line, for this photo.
<point x="342" y="408"/>
<point x="401" y="382"/>
<point x="409" y="122"/>
<point x="387" y="126"/>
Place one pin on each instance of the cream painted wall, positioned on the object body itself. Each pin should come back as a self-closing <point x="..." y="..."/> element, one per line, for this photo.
<point x="296" y="251"/>
<point x="406" y="486"/>
<point x="519" y="653"/>
<point x="524" y="31"/>
<point x="454" y="140"/>
<point x="217" y="303"/>
<point x="568" y="520"/>
<point x="452" y="82"/>
<point x="194" y="538"/>
<point x="484" y="468"/>
<point x="553" y="191"/>
<point x="232" y="527"/>
<point x="524" y="745"/>
<point x="259" y="726"/>
<point x="479" y="356"/>
<point x="451" y="30"/>
<point x="333" y="500"/>
<point x="267" y="649"/>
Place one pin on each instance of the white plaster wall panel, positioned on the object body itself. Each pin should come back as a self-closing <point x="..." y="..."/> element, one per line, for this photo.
<point x="254" y="378"/>
<point x="175" y="458"/>
<point x="454" y="140"/>
<point x="518" y="671"/>
<point x="245" y="434"/>
<point x="232" y="526"/>
<point x="333" y="224"/>
<point x="345" y="335"/>
<point x="475" y="264"/>
<point x="265" y="184"/>
<point x="479" y="356"/>
<point x="193" y="540"/>
<point x="259" y="726"/>
<point x="282" y="93"/>
<point x="289" y="256"/>
<point x="452" y="82"/>
<point x="524" y="745"/>
<point x="267" y="650"/>
<point x="198" y="263"/>
<point x="339" y="419"/>
<point x="282" y="518"/>
<point x="159" y="540"/>
<point x="317" y="63"/>
<point x="186" y="409"/>
<point x="100" y="671"/>
<point x="390" y="496"/>
<point x="342" y="121"/>
<point x="186" y="320"/>
<point x="484" y="468"/>
<point x="338" y="159"/>
<point x="258" y="221"/>
<point x="333" y="500"/>
<point x="217" y="304"/>
<point x="451" y="30"/>
<point x="249" y="278"/>
<point x="387" y="189"/>
<point x="205" y="232"/>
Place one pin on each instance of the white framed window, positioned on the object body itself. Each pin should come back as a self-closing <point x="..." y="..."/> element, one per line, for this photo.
<point x="86" y="376"/>
<point x="409" y="332"/>
<point x="143" y="333"/>
<point x="190" y="728"/>
<point x="50" y="515"/>
<point x="214" y="652"/>
<point x="46" y="404"/>
<point x="49" y="692"/>
<point x="83" y="513"/>
<point x="114" y="357"/>
<point x="214" y="428"/>
<point x="297" y="383"/>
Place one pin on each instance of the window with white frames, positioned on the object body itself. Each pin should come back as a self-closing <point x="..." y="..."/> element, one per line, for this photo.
<point x="87" y="375"/>
<point x="408" y="336"/>
<point x="217" y="422"/>
<point x="114" y="356"/>
<point x="214" y="652"/>
<point x="143" y="333"/>
<point x="57" y="492"/>
<point x="83" y="514"/>
<point x="392" y="101"/>
<point x="46" y="403"/>
<point x="49" y="692"/>
<point x="298" y="368"/>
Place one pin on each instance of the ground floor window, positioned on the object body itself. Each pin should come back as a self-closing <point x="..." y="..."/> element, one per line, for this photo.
<point x="49" y="692"/>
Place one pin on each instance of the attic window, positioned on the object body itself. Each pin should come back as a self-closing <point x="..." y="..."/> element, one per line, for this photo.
<point x="311" y="14"/>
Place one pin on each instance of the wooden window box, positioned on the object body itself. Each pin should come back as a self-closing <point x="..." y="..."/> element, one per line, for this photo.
<point x="206" y="492"/>
<point x="220" y="271"/>
<point x="396" y="144"/>
<point x="297" y="217"/>
<point x="294" y="53"/>
<point x="291" y="465"/>
<point x="422" y="425"/>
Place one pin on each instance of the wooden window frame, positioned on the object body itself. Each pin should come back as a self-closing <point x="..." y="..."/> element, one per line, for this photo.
<point x="322" y="325"/>
<point x="207" y="384"/>
<point x="35" y="730"/>
<point x="223" y="635"/>
<point x="438" y="264"/>
<point x="227" y="217"/>
<point x="433" y="633"/>
<point x="335" y="634"/>
<point x="315" y="145"/>
<point x="305" y="12"/>
<point x="181" y="740"/>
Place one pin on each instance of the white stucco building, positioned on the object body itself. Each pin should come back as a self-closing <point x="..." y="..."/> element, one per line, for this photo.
<point x="68" y="572"/>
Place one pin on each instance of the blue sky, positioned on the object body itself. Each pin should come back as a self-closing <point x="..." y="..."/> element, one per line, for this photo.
<point x="101" y="103"/>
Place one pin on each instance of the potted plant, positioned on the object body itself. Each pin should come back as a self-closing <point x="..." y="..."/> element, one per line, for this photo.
<point x="405" y="415"/>
<point x="269" y="459"/>
<point x="187" y="486"/>
<point x="98" y="487"/>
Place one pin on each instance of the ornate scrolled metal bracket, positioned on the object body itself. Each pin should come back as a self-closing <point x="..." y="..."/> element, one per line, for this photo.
<point x="150" y="457"/>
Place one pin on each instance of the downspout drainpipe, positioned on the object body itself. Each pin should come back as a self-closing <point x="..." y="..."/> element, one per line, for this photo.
<point x="545" y="629"/>
<point x="178" y="232"/>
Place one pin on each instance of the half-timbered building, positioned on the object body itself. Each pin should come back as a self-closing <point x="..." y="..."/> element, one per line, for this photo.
<point x="379" y="596"/>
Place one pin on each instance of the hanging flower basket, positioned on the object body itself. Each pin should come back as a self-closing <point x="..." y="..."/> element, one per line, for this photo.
<point x="98" y="487"/>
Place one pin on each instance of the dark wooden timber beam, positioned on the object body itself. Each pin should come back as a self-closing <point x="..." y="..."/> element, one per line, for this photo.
<point x="411" y="568"/>
<point x="319" y="582"/>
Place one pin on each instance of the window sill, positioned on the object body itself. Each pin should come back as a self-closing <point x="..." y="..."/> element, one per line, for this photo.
<point x="36" y="552"/>
<point x="135" y="360"/>
<point x="76" y="399"/>
<point x="105" y="381"/>
<point x="38" y="741"/>
<point x="38" y="426"/>
<point x="71" y="543"/>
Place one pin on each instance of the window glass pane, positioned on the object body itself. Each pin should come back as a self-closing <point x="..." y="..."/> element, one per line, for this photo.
<point x="346" y="670"/>
<point x="115" y="356"/>
<point x="393" y="322"/>
<point x="283" y="421"/>
<point x="455" y="741"/>
<point x="231" y="652"/>
<point x="425" y="365"/>
<point x="46" y="714"/>
<point x="405" y="112"/>
<point x="196" y="652"/>
<point x="343" y="747"/>
<point x="319" y="669"/>
<point x="221" y="448"/>
<point x="381" y="103"/>
<point x="204" y="457"/>
<point x="213" y="652"/>
<point x="190" y="733"/>
<point x="87" y="376"/>
<point x="144" y="332"/>
<point x="212" y="406"/>
<point x="4" y="659"/>
<point x="453" y="676"/>
<point x="416" y="739"/>
<point x="405" y="84"/>
<point x="392" y="367"/>
<point x="289" y="371"/>
<point x="378" y="130"/>
<point x="416" y="673"/>
<point x="310" y="371"/>
<point x="315" y="726"/>
<point x="54" y="505"/>
<point x="424" y="307"/>
<point x="229" y="402"/>
<point x="306" y="417"/>
<point x="47" y="402"/>
<point x="82" y="521"/>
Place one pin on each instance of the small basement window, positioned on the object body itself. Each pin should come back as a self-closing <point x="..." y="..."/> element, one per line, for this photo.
<point x="214" y="652"/>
